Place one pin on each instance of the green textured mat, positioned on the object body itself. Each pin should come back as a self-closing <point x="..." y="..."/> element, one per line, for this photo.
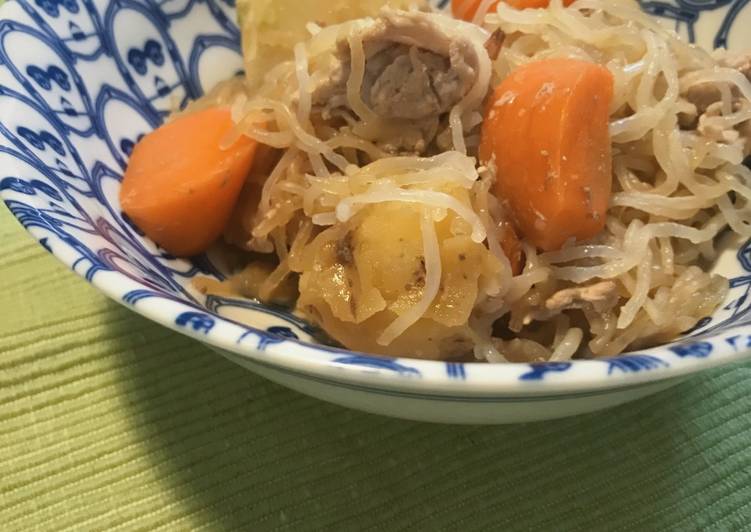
<point x="111" y="422"/>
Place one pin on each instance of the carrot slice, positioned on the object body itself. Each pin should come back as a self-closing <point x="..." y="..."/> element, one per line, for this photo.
<point x="546" y="135"/>
<point x="466" y="9"/>
<point x="180" y="185"/>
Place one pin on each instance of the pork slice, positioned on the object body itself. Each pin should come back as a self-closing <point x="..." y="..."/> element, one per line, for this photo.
<point x="703" y="102"/>
<point x="702" y="95"/>
<point x="411" y="83"/>
<point x="710" y="129"/>
<point x="418" y="66"/>
<point x="601" y="296"/>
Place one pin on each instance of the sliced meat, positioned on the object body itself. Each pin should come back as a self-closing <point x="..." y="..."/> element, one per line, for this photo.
<point x="688" y="115"/>
<point x="601" y="296"/>
<point x="703" y="103"/>
<point x="712" y="130"/>
<point x="407" y="82"/>
<point x="703" y="95"/>
<point x="418" y="67"/>
<point x="494" y="43"/>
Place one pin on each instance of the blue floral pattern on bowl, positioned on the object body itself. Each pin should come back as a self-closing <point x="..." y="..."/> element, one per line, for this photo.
<point x="688" y="14"/>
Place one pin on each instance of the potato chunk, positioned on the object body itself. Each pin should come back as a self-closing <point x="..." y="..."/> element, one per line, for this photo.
<point x="358" y="277"/>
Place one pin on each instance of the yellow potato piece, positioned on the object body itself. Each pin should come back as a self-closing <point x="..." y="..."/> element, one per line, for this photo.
<point x="360" y="276"/>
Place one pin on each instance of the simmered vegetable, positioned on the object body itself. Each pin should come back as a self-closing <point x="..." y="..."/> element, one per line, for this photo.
<point x="180" y="185"/>
<point x="358" y="278"/>
<point x="546" y="135"/>
<point x="466" y="9"/>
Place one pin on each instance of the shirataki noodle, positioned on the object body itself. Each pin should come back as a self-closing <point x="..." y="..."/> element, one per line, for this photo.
<point x="674" y="191"/>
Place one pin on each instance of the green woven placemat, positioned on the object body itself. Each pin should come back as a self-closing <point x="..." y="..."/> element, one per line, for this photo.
<point x="111" y="422"/>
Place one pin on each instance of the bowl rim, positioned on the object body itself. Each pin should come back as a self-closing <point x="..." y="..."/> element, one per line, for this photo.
<point x="436" y="378"/>
<point x="422" y="378"/>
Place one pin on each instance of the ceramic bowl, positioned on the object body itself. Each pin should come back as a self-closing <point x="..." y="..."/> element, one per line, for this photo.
<point x="82" y="80"/>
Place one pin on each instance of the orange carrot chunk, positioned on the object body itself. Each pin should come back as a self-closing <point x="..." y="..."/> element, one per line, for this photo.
<point x="180" y="186"/>
<point x="466" y="9"/>
<point x="546" y="134"/>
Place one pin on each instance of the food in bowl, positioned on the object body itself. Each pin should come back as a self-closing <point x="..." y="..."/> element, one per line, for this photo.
<point x="517" y="182"/>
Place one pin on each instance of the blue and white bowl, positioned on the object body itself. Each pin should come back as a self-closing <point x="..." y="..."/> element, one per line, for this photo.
<point x="82" y="80"/>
